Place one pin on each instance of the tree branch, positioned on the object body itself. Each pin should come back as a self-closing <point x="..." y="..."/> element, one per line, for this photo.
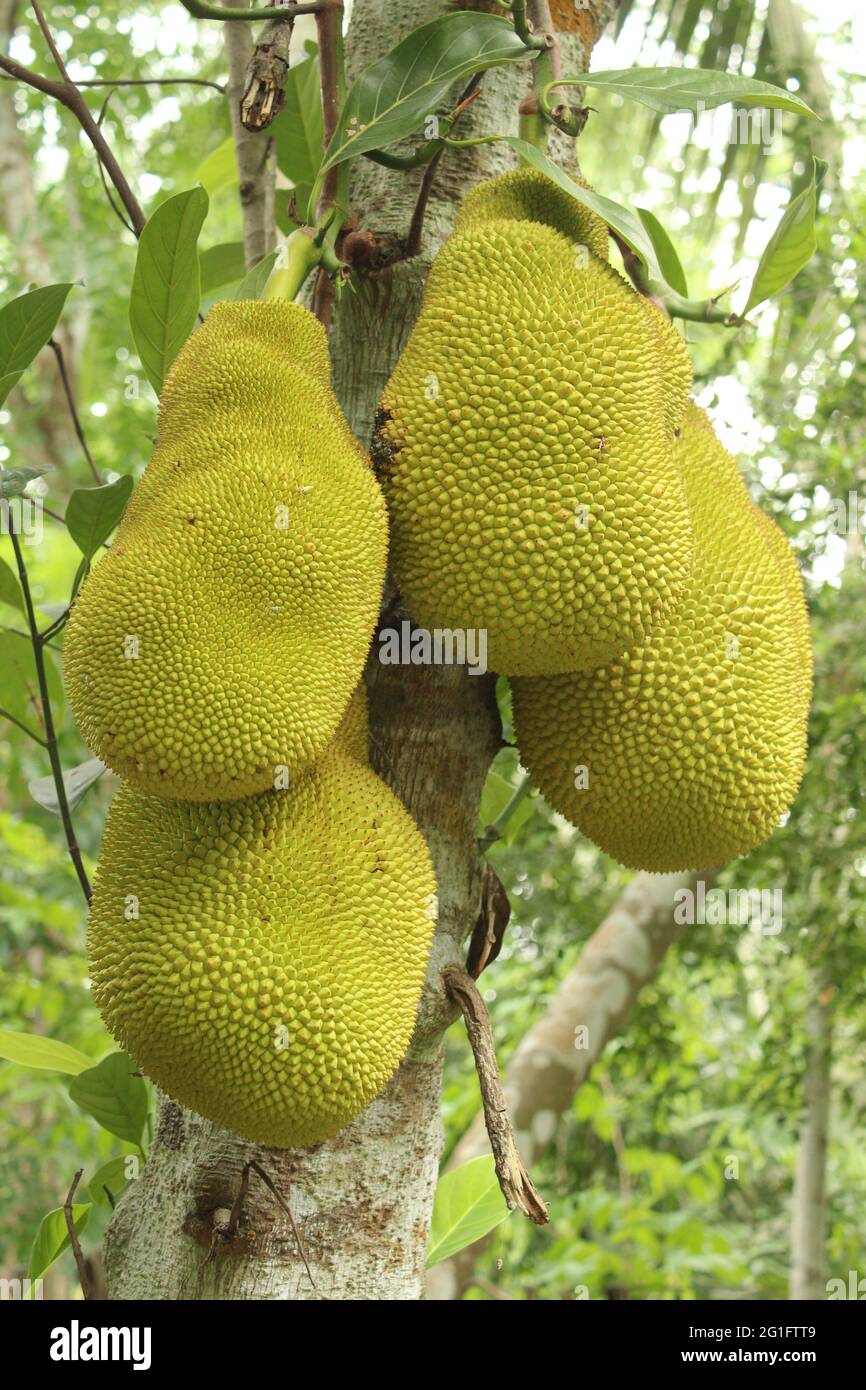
<point x="515" y="1182"/>
<point x="66" y="92"/>
<point x="265" y="91"/>
<point x="81" y="1263"/>
<point x="200" y="10"/>
<point x="73" y="409"/>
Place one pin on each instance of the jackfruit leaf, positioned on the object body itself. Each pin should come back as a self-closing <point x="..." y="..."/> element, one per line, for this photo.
<point x="621" y="219"/>
<point x="26" y="324"/>
<point x="166" y="283"/>
<point x="297" y="130"/>
<point x="467" y="1205"/>
<point x="394" y="95"/>
<point x="93" y="512"/>
<point x="77" y="781"/>
<point x="255" y="280"/>
<point x="115" y="1098"/>
<point x="10" y="589"/>
<point x="792" y="244"/>
<point x="694" y="89"/>
<point x="19" y="683"/>
<point x="665" y="251"/>
<point x="221" y="265"/>
<point x="31" y="1050"/>
<point x="13" y="481"/>
<point x="110" y="1178"/>
<point x="52" y="1238"/>
<point x="219" y="169"/>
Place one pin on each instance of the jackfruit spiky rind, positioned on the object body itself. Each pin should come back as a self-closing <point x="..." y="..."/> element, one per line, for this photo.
<point x="526" y="454"/>
<point x="270" y="976"/>
<point x="694" y="744"/>
<point x="215" y="646"/>
<point x="527" y="195"/>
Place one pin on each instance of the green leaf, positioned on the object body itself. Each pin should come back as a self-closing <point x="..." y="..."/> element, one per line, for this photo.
<point x="670" y="263"/>
<point x="792" y="244"/>
<point x="113" y="1096"/>
<point x="26" y="324"/>
<point x="394" y="95"/>
<point x="255" y="280"/>
<point x="467" y="1205"/>
<point x="694" y="89"/>
<point x="10" y="589"/>
<point x="52" y="1238"/>
<point x="166" y="284"/>
<point x="111" y="1176"/>
<point x="13" y="481"/>
<point x="221" y="265"/>
<point x="496" y="794"/>
<point x="19" y="690"/>
<point x="219" y="169"/>
<point x="31" y="1050"/>
<point x="298" y="129"/>
<point x="93" y="512"/>
<point x="621" y="219"/>
<point x="77" y="781"/>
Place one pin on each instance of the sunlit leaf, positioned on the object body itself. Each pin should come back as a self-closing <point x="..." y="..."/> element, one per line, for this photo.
<point x="468" y="1204"/>
<point x="32" y="1050"/>
<point x="166" y="285"/>
<point x="26" y="324"/>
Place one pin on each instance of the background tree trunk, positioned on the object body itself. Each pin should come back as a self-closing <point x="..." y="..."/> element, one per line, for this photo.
<point x="362" y="1200"/>
<point x="809" y="1203"/>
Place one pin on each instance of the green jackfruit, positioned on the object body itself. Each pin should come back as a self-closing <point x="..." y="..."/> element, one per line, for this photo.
<point x="686" y="752"/>
<point x="262" y="960"/>
<point x="525" y="442"/>
<point x="218" y="641"/>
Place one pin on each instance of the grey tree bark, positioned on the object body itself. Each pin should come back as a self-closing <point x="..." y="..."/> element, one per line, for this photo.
<point x="809" y="1202"/>
<point x="590" y="1007"/>
<point x="361" y="1201"/>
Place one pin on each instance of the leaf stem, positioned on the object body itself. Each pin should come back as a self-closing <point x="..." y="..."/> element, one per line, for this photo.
<point x="48" y="720"/>
<point x="294" y="261"/>
<point x="495" y="829"/>
<point x="4" y="714"/>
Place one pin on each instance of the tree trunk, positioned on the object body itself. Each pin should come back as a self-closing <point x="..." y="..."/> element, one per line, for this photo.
<point x="362" y="1200"/>
<point x="558" y="1053"/>
<point x="809" y="1214"/>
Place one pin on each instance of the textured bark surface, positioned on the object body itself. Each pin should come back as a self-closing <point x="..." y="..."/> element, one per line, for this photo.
<point x="253" y="149"/>
<point x="554" y="1059"/>
<point x="809" y="1203"/>
<point x="361" y="1201"/>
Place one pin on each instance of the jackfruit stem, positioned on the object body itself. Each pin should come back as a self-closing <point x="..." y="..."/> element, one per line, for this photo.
<point x="293" y="264"/>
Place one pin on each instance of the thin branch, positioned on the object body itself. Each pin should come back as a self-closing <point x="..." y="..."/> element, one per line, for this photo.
<point x="66" y="92"/>
<point x="416" y="226"/>
<point x="73" y="410"/>
<point x="4" y="714"/>
<point x="81" y="1263"/>
<point x="48" y="720"/>
<point x="200" y="10"/>
<point x="515" y="1182"/>
<point x="228" y="1231"/>
<point x="118" y="212"/>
